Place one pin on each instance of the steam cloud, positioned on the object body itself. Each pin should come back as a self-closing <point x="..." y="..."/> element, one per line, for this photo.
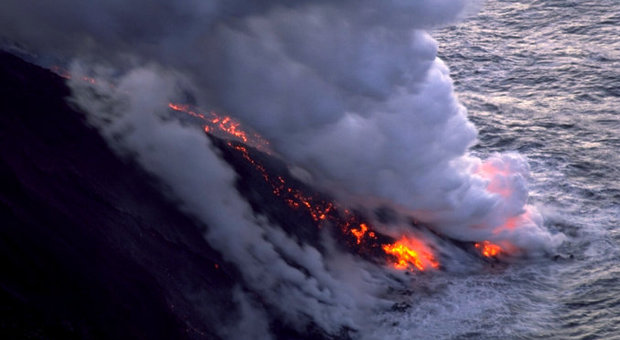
<point x="301" y="284"/>
<point x="351" y="91"/>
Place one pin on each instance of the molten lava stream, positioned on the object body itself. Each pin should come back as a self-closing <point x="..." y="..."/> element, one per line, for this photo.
<point x="223" y="126"/>
<point x="63" y="73"/>
<point x="405" y="254"/>
<point x="410" y="253"/>
<point x="488" y="249"/>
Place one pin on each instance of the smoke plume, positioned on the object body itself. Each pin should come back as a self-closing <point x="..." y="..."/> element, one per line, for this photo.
<point x="302" y="285"/>
<point x="350" y="91"/>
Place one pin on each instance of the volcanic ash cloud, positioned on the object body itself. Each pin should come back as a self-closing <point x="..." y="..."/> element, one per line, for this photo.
<point x="357" y="96"/>
<point x="352" y="91"/>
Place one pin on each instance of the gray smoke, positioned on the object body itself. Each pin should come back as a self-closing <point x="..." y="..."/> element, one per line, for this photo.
<point x="350" y="91"/>
<point x="299" y="282"/>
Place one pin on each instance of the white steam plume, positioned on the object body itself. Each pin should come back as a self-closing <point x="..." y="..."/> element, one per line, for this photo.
<point x="357" y="96"/>
<point x="297" y="281"/>
<point x="352" y="91"/>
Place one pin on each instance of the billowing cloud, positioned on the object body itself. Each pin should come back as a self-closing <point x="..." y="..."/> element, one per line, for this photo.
<point x="350" y="91"/>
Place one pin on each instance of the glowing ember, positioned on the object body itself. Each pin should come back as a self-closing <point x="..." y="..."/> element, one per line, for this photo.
<point x="410" y="253"/>
<point x="488" y="249"/>
<point x="61" y="72"/>
<point x="223" y="125"/>
<point x="187" y="109"/>
<point x="407" y="253"/>
<point x="319" y="210"/>
<point x="359" y="233"/>
<point x="65" y="74"/>
<point x="214" y="123"/>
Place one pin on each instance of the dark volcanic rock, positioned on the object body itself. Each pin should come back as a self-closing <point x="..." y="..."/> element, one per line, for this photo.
<point x="299" y="221"/>
<point x="88" y="246"/>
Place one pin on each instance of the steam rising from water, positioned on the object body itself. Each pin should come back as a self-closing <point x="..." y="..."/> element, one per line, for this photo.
<point x="351" y="91"/>
<point x="299" y="282"/>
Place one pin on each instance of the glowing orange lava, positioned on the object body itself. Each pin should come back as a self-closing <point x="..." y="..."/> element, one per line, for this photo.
<point x="224" y="125"/>
<point x="488" y="249"/>
<point x="214" y="123"/>
<point x="65" y="74"/>
<point x="406" y="254"/>
<point x="359" y="233"/>
<point x="410" y="253"/>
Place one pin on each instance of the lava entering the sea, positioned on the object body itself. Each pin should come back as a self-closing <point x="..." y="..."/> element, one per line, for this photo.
<point x="407" y="253"/>
<point x="488" y="249"/>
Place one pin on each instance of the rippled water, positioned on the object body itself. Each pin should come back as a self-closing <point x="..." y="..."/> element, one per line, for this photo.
<point x="541" y="78"/>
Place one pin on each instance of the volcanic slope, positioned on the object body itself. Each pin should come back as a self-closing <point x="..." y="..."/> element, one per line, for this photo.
<point x="89" y="247"/>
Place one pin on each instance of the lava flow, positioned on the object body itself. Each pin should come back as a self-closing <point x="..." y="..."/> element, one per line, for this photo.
<point x="411" y="251"/>
<point x="488" y="249"/>
<point x="224" y="126"/>
<point x="63" y="73"/>
<point x="406" y="253"/>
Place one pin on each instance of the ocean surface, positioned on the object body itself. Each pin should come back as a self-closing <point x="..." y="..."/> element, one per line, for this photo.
<point x="541" y="78"/>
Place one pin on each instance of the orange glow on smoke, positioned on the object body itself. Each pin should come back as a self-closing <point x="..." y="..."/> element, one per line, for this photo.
<point x="514" y="222"/>
<point x="410" y="253"/>
<point x="489" y="169"/>
<point x="496" y="177"/>
<point x="488" y="249"/>
<point x="65" y="74"/>
<point x="511" y="223"/>
<point x="214" y="123"/>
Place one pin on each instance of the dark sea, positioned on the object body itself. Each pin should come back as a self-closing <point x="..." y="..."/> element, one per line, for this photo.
<point x="541" y="78"/>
